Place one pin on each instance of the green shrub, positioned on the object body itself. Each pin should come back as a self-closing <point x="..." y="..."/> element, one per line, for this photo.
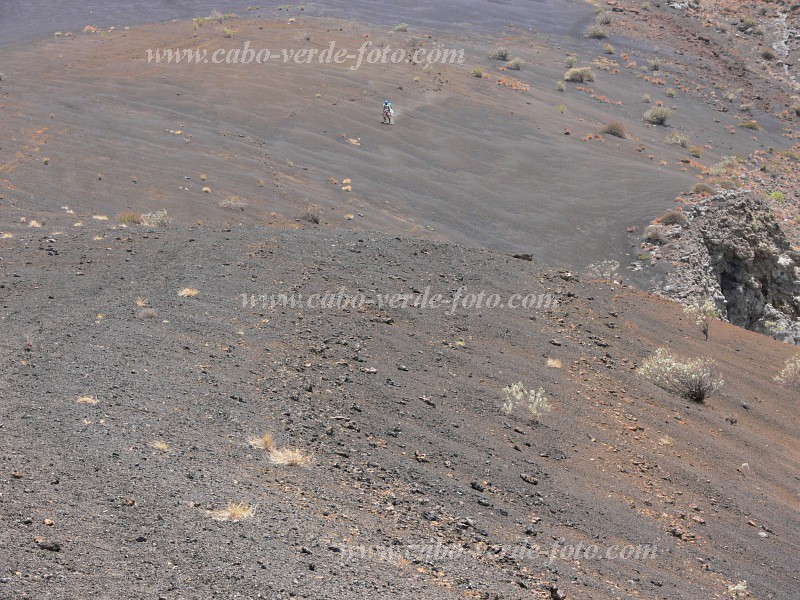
<point x="402" y="27"/>
<point x="696" y="151"/>
<point x="500" y="54"/>
<point x="579" y="75"/>
<point x="516" y="64"/>
<point x="673" y="217"/>
<point x="657" y="115"/>
<point x="693" y="380"/>
<point x="477" y="72"/>
<point x="778" y="196"/>
<point x="597" y="32"/>
<point x="570" y="61"/>
<point x="561" y="85"/>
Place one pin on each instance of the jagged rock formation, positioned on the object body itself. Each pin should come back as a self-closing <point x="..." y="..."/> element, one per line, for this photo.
<point x="733" y="250"/>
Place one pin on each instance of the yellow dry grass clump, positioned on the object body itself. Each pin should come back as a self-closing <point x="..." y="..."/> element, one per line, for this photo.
<point x="235" y="511"/>
<point x="188" y="293"/>
<point x="291" y="457"/>
<point x="160" y="445"/>
<point x="87" y="400"/>
<point x="553" y="363"/>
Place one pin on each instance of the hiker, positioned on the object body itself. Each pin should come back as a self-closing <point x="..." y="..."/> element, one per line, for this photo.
<point x="388" y="112"/>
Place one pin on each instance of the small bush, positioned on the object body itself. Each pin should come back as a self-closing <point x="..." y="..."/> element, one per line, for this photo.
<point x="537" y="401"/>
<point x="673" y="217"/>
<point x="654" y="234"/>
<point x="657" y="115"/>
<point x="609" y="49"/>
<point x="516" y="64"/>
<point x="790" y="375"/>
<point x="693" y="380"/>
<point x="402" y="27"/>
<point x="227" y="32"/>
<point x="477" y="72"/>
<point x="130" y="217"/>
<point x="646" y="98"/>
<point x="500" y="54"/>
<point x="312" y="215"/>
<point x="749" y="22"/>
<point x="570" y="61"/>
<point x="235" y="511"/>
<point x="561" y="85"/>
<point x="655" y="65"/>
<point x="703" y="315"/>
<point x="778" y="196"/>
<point x="579" y="75"/>
<point x="671" y="92"/>
<point x="677" y="138"/>
<point x="159" y="218"/>
<point x="561" y="108"/>
<point x="768" y="54"/>
<point x="615" y="128"/>
<point x="597" y="32"/>
<point x="751" y="124"/>
<point x="696" y="151"/>
<point x="198" y="22"/>
<point x="604" y="18"/>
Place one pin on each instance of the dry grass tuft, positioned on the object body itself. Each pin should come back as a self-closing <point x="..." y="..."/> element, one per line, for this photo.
<point x="130" y="217"/>
<point x="87" y="400"/>
<point x="235" y="511"/>
<point x="7" y="236"/>
<point x="100" y="217"/>
<point x="188" y="293"/>
<point x="147" y="313"/>
<point x="160" y="445"/>
<point x="292" y="457"/>
<point x="265" y="442"/>
<point x="553" y="363"/>
<point x="141" y="302"/>
<point x="615" y="128"/>
<point x="34" y="223"/>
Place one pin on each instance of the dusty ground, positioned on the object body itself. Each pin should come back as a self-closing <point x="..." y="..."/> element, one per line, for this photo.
<point x="126" y="410"/>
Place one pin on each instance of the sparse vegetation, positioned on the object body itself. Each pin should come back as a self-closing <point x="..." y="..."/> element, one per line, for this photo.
<point x="156" y="219"/>
<point x="609" y="49"/>
<point x="646" y="98"/>
<point x="671" y="92"/>
<point x="655" y="64"/>
<point x="147" y="313"/>
<point x="597" y="32"/>
<point x="227" y="32"/>
<point x="603" y="18"/>
<point x="537" y="402"/>
<point x="723" y="166"/>
<point x="500" y="53"/>
<point x="778" y="196"/>
<point x="615" y="128"/>
<point x="654" y="234"/>
<point x="188" y="292"/>
<point x="579" y="75"/>
<point x="515" y="64"/>
<point x="696" y="151"/>
<point x="291" y="457"/>
<point x="768" y="54"/>
<point x="694" y="379"/>
<point x="703" y="315"/>
<point x="657" y="115"/>
<point x="673" y="217"/>
<point x="677" y="138"/>
<point x="561" y="85"/>
<point x="790" y="375"/>
<point x="313" y="214"/>
<point x="750" y="124"/>
<point x="233" y="202"/>
<point x="198" y="22"/>
<point x="570" y="61"/>
<point x="160" y="445"/>
<point x="130" y="217"/>
<point x="553" y="363"/>
<point x="477" y="72"/>
<point x="561" y="108"/>
<point x="235" y="511"/>
<point x="401" y="28"/>
<point x="87" y="400"/>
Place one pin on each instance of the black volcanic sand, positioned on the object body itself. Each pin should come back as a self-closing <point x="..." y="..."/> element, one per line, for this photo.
<point x="401" y="408"/>
<point x="468" y="160"/>
<point x="27" y="19"/>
